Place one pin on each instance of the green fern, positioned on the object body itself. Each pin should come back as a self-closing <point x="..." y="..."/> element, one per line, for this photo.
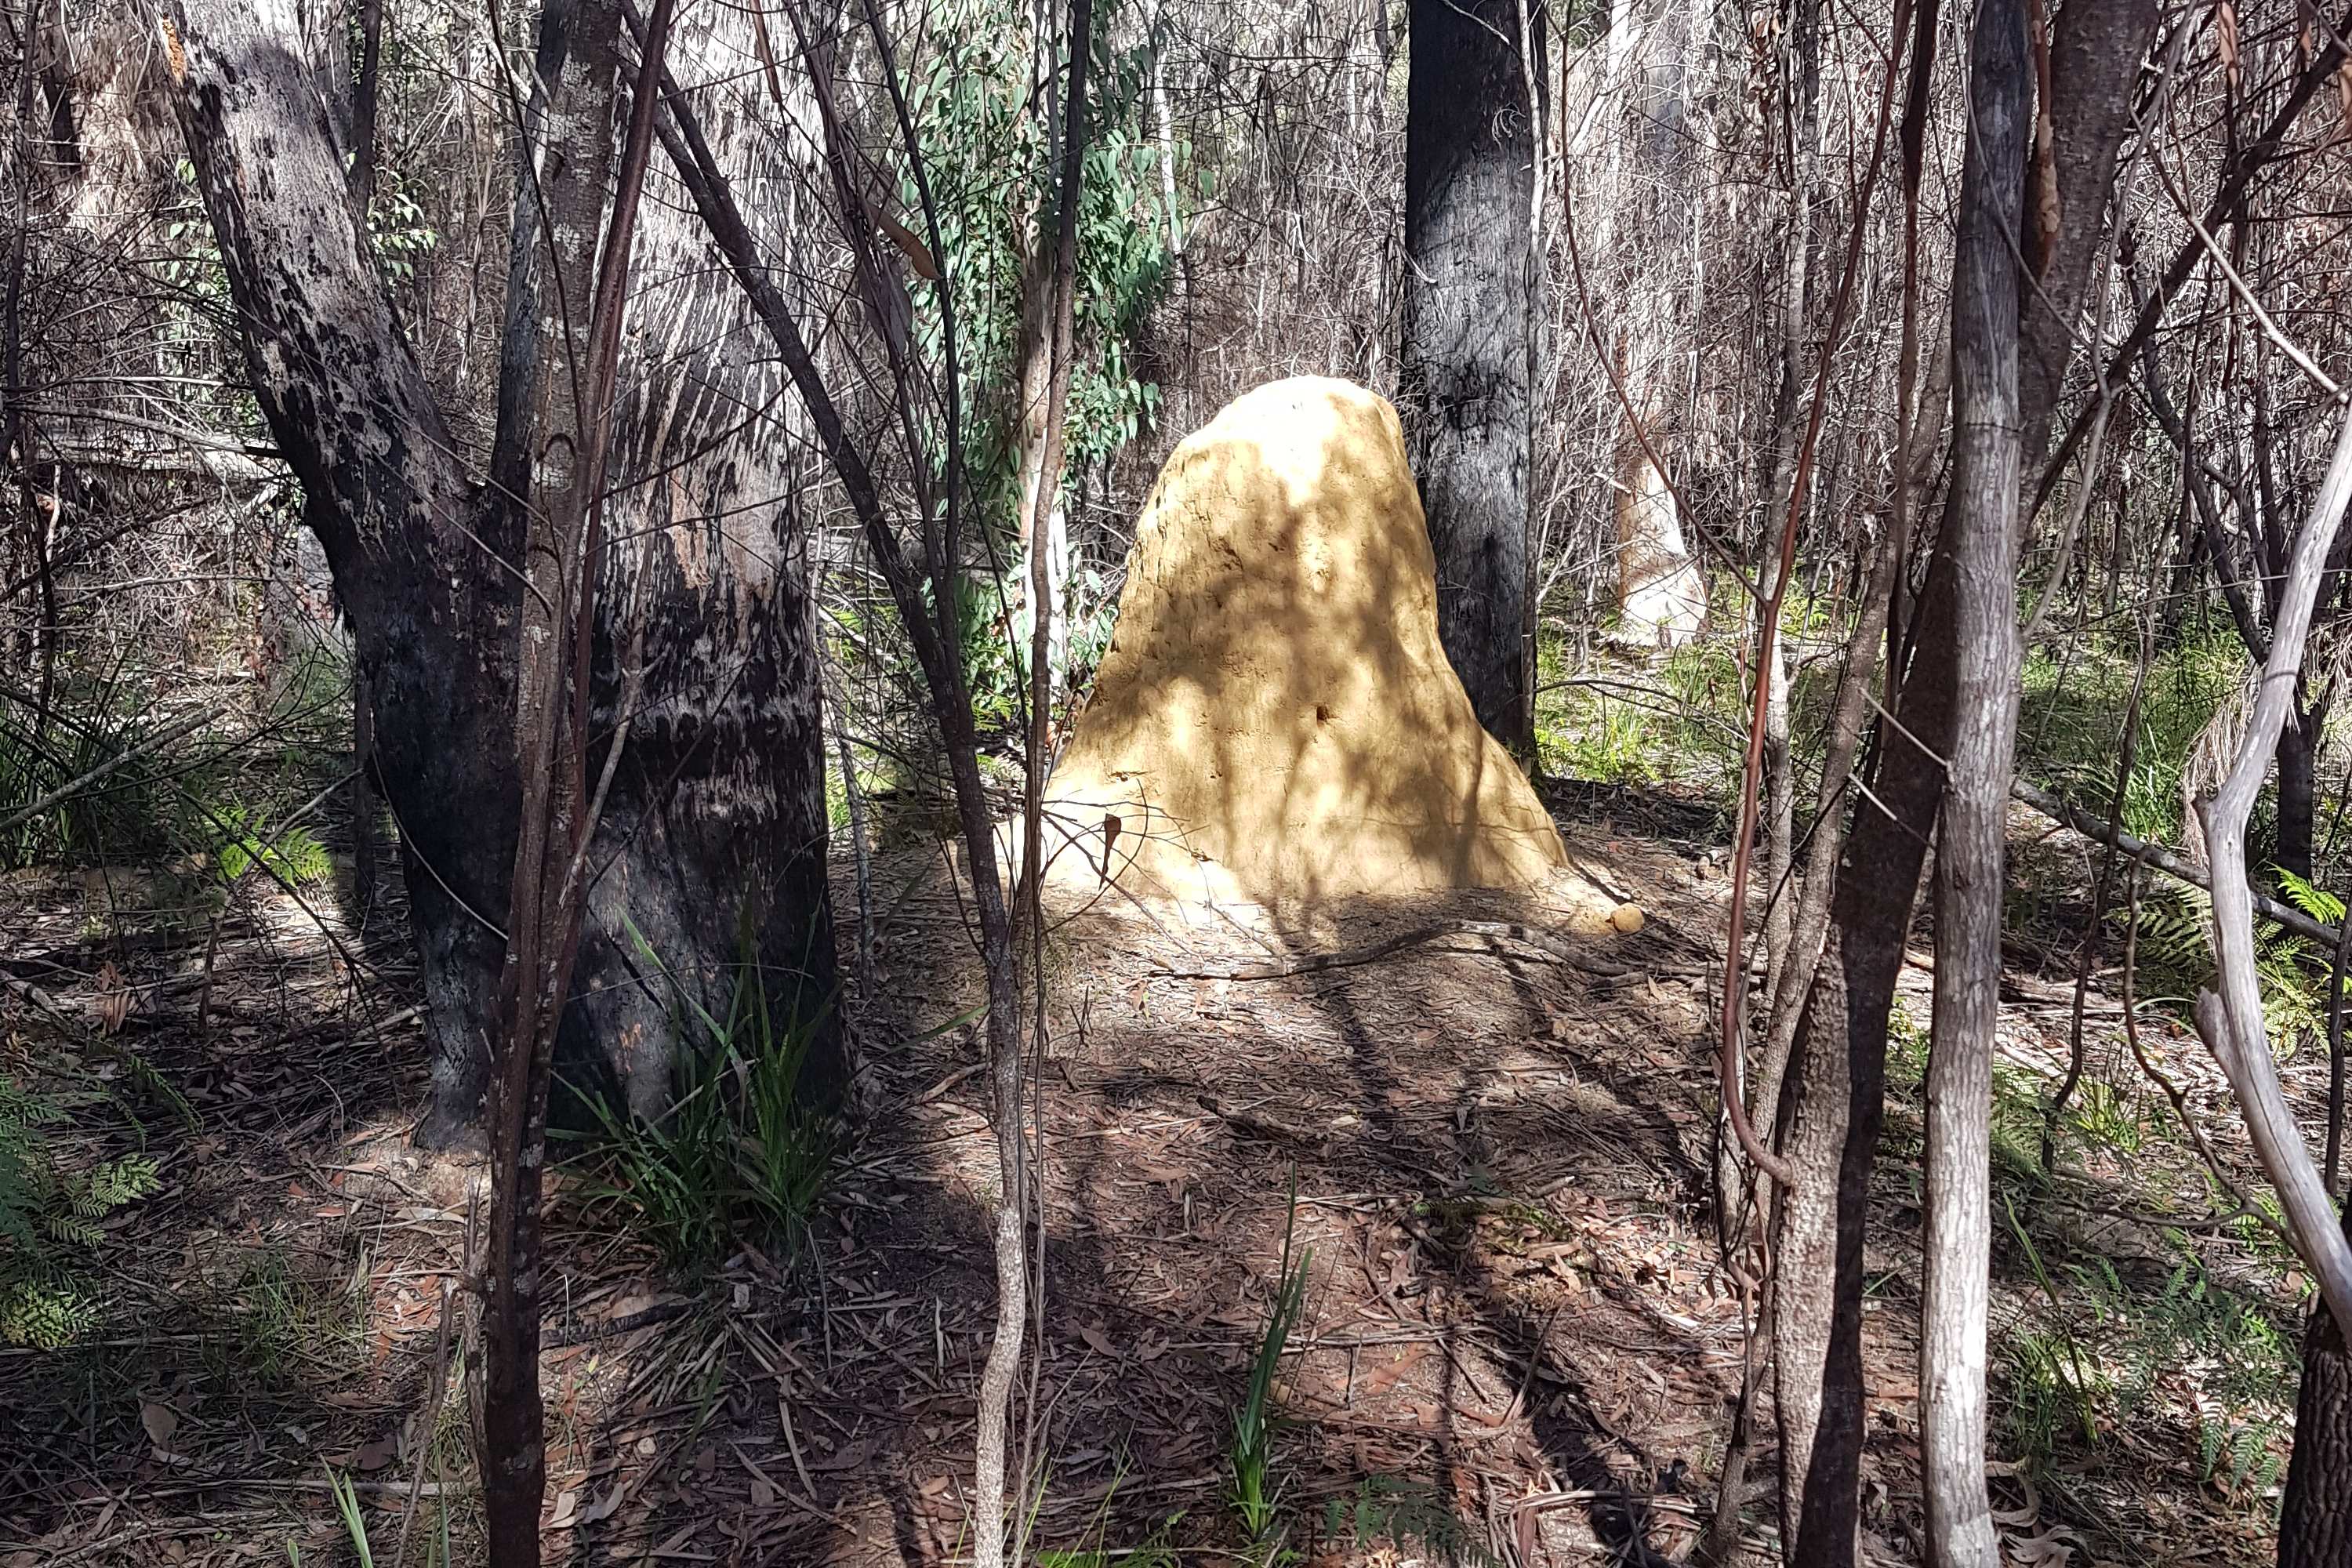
<point x="293" y="854"/>
<point x="44" y="1208"/>
<point x="2176" y="953"/>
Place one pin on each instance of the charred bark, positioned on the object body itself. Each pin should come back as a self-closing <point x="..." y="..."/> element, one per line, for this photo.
<point x="712" y="837"/>
<point x="421" y="556"/>
<point x="1470" y="155"/>
<point x="2316" y="1515"/>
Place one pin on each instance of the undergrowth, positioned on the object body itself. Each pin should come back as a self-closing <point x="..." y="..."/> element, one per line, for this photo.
<point x="742" y="1155"/>
<point x="50" y="1211"/>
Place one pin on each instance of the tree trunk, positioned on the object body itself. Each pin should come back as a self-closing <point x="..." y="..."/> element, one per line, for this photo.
<point x="1469" y="170"/>
<point x="712" y="835"/>
<point x="1817" y="1312"/>
<point x="404" y="529"/>
<point x="1982" y="525"/>
<point x="2298" y="790"/>
<point x="2316" y="1515"/>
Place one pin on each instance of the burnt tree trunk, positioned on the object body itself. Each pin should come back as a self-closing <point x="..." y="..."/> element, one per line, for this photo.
<point x="2316" y="1515"/>
<point x="1469" y="175"/>
<point x="415" y="546"/>
<point x="711" y="842"/>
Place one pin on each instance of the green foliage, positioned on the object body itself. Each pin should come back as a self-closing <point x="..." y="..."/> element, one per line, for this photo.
<point x="1680" y="725"/>
<point x="987" y="155"/>
<point x="2176" y="954"/>
<point x="398" y="229"/>
<point x="2193" y="1355"/>
<point x="243" y="842"/>
<point x="2076" y="695"/>
<point x="1254" y="1492"/>
<point x="46" y="1213"/>
<point x="740" y="1154"/>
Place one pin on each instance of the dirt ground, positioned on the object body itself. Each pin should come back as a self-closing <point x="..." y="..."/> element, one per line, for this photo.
<point x="1519" y="1345"/>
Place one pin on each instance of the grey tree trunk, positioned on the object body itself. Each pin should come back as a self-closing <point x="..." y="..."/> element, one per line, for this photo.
<point x="1470" y="157"/>
<point x="1983" y="523"/>
<point x="1833" y="1103"/>
<point x="714" y="828"/>
<point x="1653" y="49"/>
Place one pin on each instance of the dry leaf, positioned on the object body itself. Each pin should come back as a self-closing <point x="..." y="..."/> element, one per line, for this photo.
<point x="603" y="1506"/>
<point x="374" y="1456"/>
<point x="115" y="1000"/>
<point x="160" y="1421"/>
<point x="848" y="1456"/>
<point x="2053" y="1549"/>
<point x="567" y="1510"/>
<point x="1096" y="1340"/>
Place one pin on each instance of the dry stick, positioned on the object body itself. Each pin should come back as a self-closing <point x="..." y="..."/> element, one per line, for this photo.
<point x="1004" y="1350"/>
<point x="551" y="699"/>
<point x="155" y="742"/>
<point x="2233" y="1022"/>
<point x="2226" y="207"/>
<point x="2162" y="859"/>
<point x="2336" y="1054"/>
<point x="1316" y="963"/>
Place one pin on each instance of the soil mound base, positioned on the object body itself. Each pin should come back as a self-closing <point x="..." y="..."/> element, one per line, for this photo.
<point x="1275" y="720"/>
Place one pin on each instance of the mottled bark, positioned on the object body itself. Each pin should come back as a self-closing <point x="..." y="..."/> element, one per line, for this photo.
<point x="2316" y="1515"/>
<point x="2095" y="52"/>
<point x="1469" y="171"/>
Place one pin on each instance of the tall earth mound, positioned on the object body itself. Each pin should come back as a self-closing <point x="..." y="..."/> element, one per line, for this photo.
<point x="1275" y="720"/>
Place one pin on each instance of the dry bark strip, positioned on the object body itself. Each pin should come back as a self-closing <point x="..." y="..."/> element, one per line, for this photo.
<point x="1346" y="958"/>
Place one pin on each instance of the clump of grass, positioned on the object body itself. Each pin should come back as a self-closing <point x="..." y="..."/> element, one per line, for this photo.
<point x="1255" y="1492"/>
<point x="283" y="1317"/>
<point x="2076" y="695"/>
<point x="742" y="1155"/>
<point x="1679" y="724"/>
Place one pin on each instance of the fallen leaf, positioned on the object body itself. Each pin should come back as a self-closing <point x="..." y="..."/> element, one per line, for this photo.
<point x="375" y="1456"/>
<point x="603" y="1507"/>
<point x="567" y="1510"/>
<point x="1096" y="1340"/>
<point x="2053" y="1549"/>
<point x="160" y="1421"/>
<point x="848" y="1456"/>
<point x="1378" y="1380"/>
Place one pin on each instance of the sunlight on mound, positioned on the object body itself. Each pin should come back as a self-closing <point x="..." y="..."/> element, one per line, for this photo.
<point x="1275" y="720"/>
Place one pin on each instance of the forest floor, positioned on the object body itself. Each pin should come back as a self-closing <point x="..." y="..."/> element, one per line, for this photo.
<point x="1516" y="1345"/>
